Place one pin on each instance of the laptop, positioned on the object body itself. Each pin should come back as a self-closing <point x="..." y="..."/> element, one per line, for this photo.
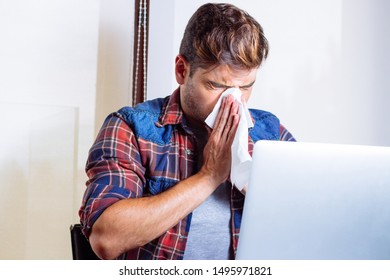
<point x="316" y="201"/>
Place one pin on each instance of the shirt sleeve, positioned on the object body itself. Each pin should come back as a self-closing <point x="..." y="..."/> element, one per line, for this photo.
<point x="114" y="169"/>
<point x="285" y="135"/>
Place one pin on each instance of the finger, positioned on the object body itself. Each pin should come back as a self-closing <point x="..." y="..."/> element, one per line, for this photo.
<point x="231" y="124"/>
<point x="230" y="128"/>
<point x="233" y="129"/>
<point x="222" y="116"/>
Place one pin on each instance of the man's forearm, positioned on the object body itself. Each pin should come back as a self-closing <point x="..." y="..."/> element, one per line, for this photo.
<point x="131" y="223"/>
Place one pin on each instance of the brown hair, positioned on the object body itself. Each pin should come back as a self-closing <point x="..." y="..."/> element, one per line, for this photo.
<point x="223" y="34"/>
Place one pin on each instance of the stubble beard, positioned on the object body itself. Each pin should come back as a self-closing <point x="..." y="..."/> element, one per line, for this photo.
<point x="192" y="103"/>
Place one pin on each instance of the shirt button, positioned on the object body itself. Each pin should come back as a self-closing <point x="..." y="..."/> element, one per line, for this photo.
<point x="188" y="151"/>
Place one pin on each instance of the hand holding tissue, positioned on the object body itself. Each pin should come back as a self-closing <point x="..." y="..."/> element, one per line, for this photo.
<point x="241" y="159"/>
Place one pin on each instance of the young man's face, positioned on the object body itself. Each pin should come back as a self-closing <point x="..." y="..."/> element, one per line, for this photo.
<point x="200" y="92"/>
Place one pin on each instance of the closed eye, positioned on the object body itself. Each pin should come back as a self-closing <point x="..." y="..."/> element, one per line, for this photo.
<point x="215" y="85"/>
<point x="246" y="87"/>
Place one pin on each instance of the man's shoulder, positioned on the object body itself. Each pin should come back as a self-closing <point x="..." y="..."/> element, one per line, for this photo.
<point x="266" y="125"/>
<point x="150" y="107"/>
<point x="261" y="115"/>
<point x="142" y="120"/>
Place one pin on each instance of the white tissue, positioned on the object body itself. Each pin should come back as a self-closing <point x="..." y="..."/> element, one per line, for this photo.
<point x="241" y="159"/>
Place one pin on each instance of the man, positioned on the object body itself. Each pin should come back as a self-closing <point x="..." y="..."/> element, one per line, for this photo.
<point x="159" y="183"/>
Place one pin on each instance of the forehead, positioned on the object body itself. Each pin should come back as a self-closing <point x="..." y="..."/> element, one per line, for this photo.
<point x="223" y="74"/>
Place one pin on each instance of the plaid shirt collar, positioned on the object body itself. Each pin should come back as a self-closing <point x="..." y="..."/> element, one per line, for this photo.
<point x="171" y="112"/>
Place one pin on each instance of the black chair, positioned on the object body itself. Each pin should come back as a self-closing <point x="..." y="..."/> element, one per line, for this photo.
<point x="81" y="249"/>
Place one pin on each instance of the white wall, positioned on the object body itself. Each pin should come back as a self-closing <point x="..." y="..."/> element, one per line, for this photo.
<point x="115" y="57"/>
<point x="65" y="64"/>
<point x="326" y="74"/>
<point x="48" y="57"/>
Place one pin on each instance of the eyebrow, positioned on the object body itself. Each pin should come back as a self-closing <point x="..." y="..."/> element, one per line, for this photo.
<point x="218" y="85"/>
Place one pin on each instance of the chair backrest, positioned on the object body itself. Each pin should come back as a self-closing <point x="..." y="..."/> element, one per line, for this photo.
<point x="81" y="249"/>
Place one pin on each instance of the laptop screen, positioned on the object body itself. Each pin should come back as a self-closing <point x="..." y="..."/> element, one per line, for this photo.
<point x="317" y="201"/>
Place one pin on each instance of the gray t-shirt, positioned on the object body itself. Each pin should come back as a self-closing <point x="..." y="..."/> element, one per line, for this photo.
<point x="209" y="236"/>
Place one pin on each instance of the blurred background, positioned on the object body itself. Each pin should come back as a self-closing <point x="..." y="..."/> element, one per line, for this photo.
<point x="66" y="64"/>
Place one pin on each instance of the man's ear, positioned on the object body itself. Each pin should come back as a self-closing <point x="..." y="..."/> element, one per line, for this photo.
<point x="182" y="69"/>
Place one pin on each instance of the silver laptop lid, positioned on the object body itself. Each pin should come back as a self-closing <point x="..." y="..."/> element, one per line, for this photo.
<point x="317" y="201"/>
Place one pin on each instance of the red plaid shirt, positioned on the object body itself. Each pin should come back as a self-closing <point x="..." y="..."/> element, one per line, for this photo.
<point x="145" y="150"/>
